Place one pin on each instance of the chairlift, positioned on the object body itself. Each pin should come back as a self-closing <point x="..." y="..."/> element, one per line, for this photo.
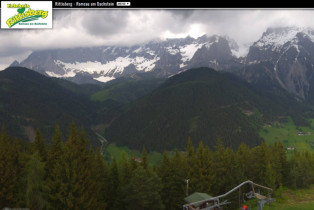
<point x="213" y="203"/>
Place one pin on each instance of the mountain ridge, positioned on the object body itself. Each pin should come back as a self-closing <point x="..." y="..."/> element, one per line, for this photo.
<point x="30" y="100"/>
<point x="109" y="62"/>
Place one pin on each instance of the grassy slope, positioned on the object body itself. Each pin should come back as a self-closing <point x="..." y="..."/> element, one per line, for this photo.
<point x="125" y="91"/>
<point x="301" y="199"/>
<point x="287" y="134"/>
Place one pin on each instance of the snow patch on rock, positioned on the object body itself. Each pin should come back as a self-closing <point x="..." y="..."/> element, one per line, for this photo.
<point x="188" y="51"/>
<point x="104" y="79"/>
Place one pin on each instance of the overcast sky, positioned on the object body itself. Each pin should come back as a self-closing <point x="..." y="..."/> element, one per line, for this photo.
<point x="83" y="28"/>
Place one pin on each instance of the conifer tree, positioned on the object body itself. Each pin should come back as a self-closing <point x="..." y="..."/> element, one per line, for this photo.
<point x="301" y="172"/>
<point x="100" y="173"/>
<point x="113" y="186"/>
<point x="276" y="165"/>
<point x="36" y="191"/>
<point x="126" y="169"/>
<point x="191" y="159"/>
<point x="203" y="169"/>
<point x="190" y="150"/>
<point x="294" y="172"/>
<point x="55" y="170"/>
<point x="39" y="145"/>
<point x="243" y="158"/>
<point x="73" y="181"/>
<point x="173" y="173"/>
<point x="55" y="151"/>
<point x="144" y="162"/>
<point x="133" y="163"/>
<point x="164" y="172"/>
<point x="282" y="167"/>
<point x="233" y="174"/>
<point x="220" y="169"/>
<point x="260" y="159"/>
<point x="144" y="189"/>
<point x="11" y="170"/>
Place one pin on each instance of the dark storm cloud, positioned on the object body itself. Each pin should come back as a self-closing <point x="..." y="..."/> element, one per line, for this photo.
<point x="60" y="14"/>
<point x="8" y="46"/>
<point x="208" y="16"/>
<point x="182" y="14"/>
<point x="103" y="23"/>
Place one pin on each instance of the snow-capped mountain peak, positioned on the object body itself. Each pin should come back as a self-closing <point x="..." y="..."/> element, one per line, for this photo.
<point x="109" y="62"/>
<point x="275" y="38"/>
<point x="290" y="51"/>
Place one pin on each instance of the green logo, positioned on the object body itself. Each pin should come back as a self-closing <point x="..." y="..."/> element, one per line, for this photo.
<point x="25" y="16"/>
<point x="21" y="10"/>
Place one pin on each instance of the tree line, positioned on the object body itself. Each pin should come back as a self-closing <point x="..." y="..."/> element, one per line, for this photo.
<point x="68" y="174"/>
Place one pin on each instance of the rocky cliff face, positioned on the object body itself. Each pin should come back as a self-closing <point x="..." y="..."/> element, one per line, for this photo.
<point x="291" y="51"/>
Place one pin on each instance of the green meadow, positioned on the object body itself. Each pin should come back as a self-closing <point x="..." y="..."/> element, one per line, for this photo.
<point x="287" y="133"/>
<point x="300" y="199"/>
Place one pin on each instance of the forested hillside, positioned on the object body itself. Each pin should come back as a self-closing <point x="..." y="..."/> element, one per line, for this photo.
<point x="30" y="100"/>
<point x="202" y="104"/>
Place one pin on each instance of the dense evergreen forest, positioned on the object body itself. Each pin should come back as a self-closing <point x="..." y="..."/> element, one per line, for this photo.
<point x="68" y="174"/>
<point x="205" y="105"/>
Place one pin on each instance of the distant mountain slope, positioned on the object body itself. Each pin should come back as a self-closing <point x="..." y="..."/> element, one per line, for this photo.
<point x="126" y="90"/>
<point x="115" y="96"/>
<point x="29" y="99"/>
<point x="202" y="104"/>
<point x="291" y="52"/>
